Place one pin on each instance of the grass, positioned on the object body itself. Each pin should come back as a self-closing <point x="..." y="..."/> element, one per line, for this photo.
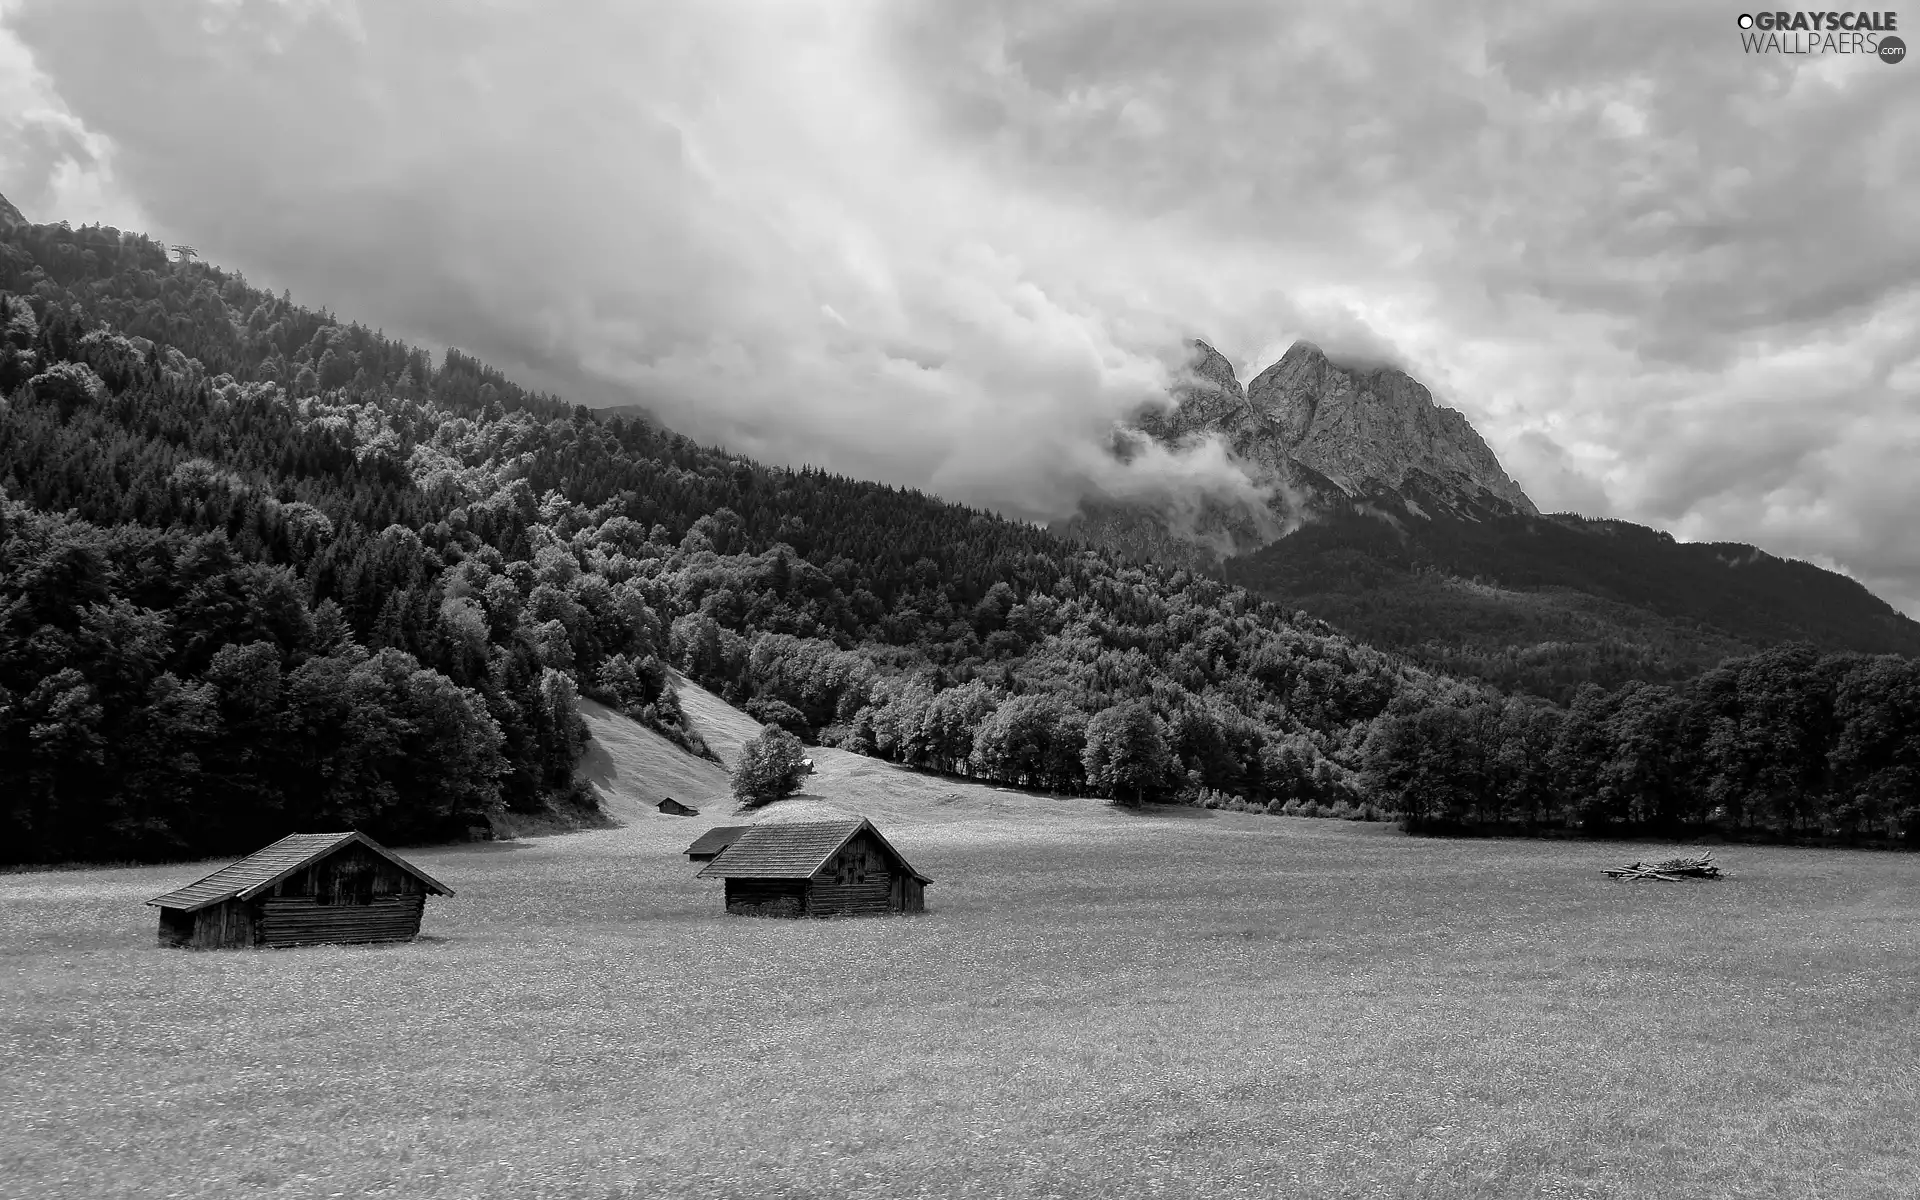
<point x="1096" y="1004"/>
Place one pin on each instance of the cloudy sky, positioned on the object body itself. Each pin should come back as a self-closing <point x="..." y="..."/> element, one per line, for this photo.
<point x="944" y="243"/>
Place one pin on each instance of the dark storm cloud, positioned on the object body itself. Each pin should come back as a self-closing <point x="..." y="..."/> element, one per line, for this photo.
<point x="945" y="244"/>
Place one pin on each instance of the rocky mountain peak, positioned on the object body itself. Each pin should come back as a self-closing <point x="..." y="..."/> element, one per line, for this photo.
<point x="1316" y="437"/>
<point x="1206" y="397"/>
<point x="10" y="217"/>
<point x="1209" y="366"/>
<point x="1369" y="428"/>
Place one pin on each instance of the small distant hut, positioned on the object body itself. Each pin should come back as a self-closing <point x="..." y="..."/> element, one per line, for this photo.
<point x="713" y="841"/>
<point x="816" y="869"/>
<point x="303" y="889"/>
<point x="673" y="807"/>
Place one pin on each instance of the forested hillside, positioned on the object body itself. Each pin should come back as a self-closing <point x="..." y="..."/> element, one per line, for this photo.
<point x="1546" y="604"/>
<point x="261" y="571"/>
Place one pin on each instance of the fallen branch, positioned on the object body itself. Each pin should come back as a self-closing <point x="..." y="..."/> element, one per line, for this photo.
<point x="1670" y="870"/>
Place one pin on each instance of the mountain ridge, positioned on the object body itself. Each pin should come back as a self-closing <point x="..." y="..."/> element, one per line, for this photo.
<point x="1390" y="517"/>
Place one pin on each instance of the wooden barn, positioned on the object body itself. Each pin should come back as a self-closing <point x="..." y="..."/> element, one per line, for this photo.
<point x="303" y="889"/>
<point x="674" y="808"/>
<point x="816" y="869"/>
<point x="713" y="841"/>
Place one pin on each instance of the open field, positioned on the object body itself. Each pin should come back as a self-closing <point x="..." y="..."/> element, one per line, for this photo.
<point x="1096" y="1004"/>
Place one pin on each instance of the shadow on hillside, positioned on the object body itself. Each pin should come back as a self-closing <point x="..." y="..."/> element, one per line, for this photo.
<point x="815" y="804"/>
<point x="470" y="849"/>
<point x="1166" y="812"/>
<point x="596" y="766"/>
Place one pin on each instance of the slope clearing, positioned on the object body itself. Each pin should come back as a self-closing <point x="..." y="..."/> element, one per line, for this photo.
<point x="633" y="768"/>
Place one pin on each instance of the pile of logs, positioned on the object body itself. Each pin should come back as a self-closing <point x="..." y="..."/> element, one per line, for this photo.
<point x="1671" y="870"/>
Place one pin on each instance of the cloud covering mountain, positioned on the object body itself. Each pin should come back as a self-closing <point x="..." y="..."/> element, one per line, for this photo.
<point x="948" y="244"/>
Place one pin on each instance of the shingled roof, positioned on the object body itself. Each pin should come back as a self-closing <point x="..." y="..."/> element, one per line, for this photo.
<point x="792" y="850"/>
<point x="263" y="868"/>
<point x="714" y="840"/>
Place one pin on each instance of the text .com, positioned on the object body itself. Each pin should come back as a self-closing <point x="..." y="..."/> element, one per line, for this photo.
<point x="1870" y="33"/>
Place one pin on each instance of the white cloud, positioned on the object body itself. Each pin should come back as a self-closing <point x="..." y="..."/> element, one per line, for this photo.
<point x="52" y="167"/>
<point x="945" y="243"/>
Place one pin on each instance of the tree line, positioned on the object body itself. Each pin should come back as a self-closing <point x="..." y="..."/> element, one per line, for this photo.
<point x="1787" y="742"/>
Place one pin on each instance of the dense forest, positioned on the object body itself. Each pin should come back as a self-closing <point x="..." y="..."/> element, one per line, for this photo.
<point x="1787" y="742"/>
<point x="262" y="570"/>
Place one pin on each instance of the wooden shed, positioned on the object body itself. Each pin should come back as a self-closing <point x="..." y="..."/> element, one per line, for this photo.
<point x="673" y="807"/>
<point x="303" y="889"/>
<point x="816" y="869"/>
<point x="713" y="841"/>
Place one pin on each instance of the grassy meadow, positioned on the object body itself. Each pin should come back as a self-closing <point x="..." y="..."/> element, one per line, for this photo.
<point x="1096" y="1004"/>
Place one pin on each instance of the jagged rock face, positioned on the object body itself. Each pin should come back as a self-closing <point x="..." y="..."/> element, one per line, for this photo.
<point x="1370" y="429"/>
<point x="1206" y="398"/>
<point x="1319" y="438"/>
<point x="10" y="217"/>
<point x="1309" y="420"/>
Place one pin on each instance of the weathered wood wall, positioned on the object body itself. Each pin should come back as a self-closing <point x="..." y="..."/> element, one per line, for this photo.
<point x="215" y="927"/>
<point x="857" y="881"/>
<point x="849" y="900"/>
<point x="300" y="921"/>
<point x="352" y="895"/>
<point x="210" y="928"/>
<point x="767" y="897"/>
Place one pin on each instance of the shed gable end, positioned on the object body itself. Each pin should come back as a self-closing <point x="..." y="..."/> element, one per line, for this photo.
<point x="862" y="859"/>
<point x="350" y="875"/>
